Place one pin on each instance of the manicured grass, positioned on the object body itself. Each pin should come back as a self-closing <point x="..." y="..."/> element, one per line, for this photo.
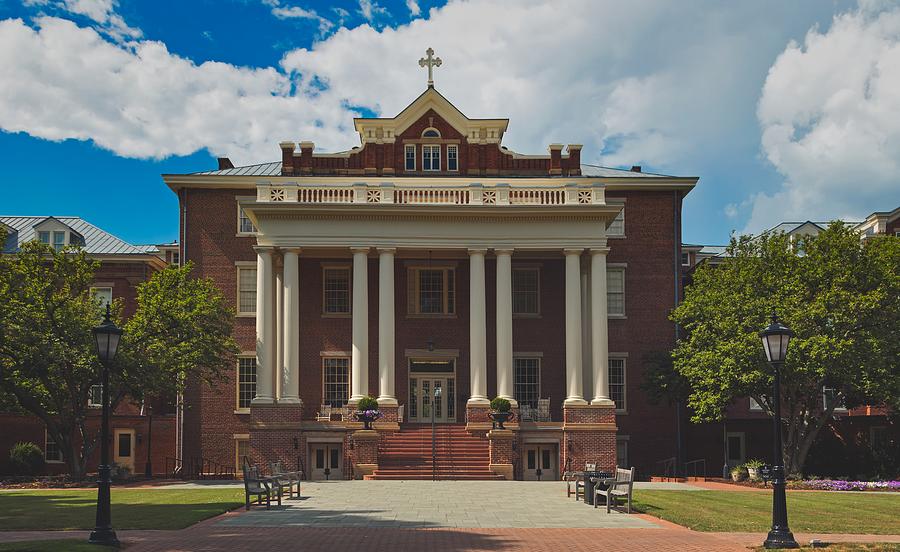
<point x="131" y="508"/>
<point x="750" y="511"/>
<point x="69" y="545"/>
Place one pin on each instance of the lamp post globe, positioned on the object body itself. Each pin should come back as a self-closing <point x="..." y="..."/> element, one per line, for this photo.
<point x="106" y="336"/>
<point x="775" y="339"/>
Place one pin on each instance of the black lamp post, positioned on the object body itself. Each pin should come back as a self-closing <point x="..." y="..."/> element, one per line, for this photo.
<point x="107" y="336"/>
<point x="148" y="465"/>
<point x="775" y="339"/>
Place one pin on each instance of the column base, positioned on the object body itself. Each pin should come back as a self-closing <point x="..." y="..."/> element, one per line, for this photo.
<point x="603" y="402"/>
<point x="478" y="401"/>
<point x="513" y="402"/>
<point x="574" y="401"/>
<point x="290" y="401"/>
<point x="262" y="400"/>
<point x="387" y="401"/>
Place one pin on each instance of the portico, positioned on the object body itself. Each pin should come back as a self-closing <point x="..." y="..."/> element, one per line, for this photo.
<point x="562" y="220"/>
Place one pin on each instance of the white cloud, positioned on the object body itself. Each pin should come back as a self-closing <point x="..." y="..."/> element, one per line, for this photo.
<point x="101" y="12"/>
<point x="662" y="85"/>
<point x="830" y="118"/>
<point x="413" y="7"/>
<point x="370" y="10"/>
<point x="296" y="12"/>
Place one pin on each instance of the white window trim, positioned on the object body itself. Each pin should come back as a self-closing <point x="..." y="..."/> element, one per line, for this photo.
<point x="349" y="269"/>
<point x="47" y="460"/>
<point x="328" y="356"/>
<point x="431" y="148"/>
<point x="96" y="288"/>
<point x="623" y="267"/>
<point x="431" y="137"/>
<point x="237" y="204"/>
<point x="685" y="256"/>
<point x="755" y="406"/>
<point x="743" y="438"/>
<point x="456" y="149"/>
<point x="624" y="358"/>
<point x="406" y="149"/>
<point x="540" y="362"/>
<point x="238" y="266"/>
<point x="49" y="237"/>
<point x="237" y="382"/>
<point x="90" y="403"/>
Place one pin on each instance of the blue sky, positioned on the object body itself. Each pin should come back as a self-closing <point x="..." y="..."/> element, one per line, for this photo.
<point x="785" y="110"/>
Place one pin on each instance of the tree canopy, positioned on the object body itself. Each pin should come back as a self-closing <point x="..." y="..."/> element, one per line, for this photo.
<point x="841" y="297"/>
<point x="48" y="363"/>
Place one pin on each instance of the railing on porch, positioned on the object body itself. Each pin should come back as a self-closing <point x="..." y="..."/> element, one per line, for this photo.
<point x="401" y="193"/>
<point x="197" y="468"/>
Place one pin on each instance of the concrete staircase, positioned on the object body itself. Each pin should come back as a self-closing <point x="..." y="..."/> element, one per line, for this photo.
<point x="406" y="454"/>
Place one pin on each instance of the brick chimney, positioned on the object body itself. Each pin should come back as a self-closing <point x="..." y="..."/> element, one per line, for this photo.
<point x="555" y="159"/>
<point x="574" y="159"/>
<point x="306" y="157"/>
<point x="225" y="163"/>
<point x="287" y="158"/>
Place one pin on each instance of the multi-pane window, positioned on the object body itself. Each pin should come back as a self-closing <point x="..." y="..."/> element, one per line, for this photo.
<point x="102" y="295"/>
<point x="246" y="381"/>
<point x="241" y="454"/>
<point x="527" y="380"/>
<point x="685" y="259"/>
<point x="59" y="240"/>
<point x="431" y="158"/>
<point x="95" y="396"/>
<point x="525" y="291"/>
<point x="246" y="290"/>
<point x="410" y="152"/>
<point x="452" y="158"/>
<point x="622" y="451"/>
<point x="245" y="225"/>
<point x="434" y="291"/>
<point x="617" y="226"/>
<point x="615" y="291"/>
<point x="336" y="285"/>
<point x="52" y="452"/>
<point x="336" y="381"/>
<point x="44" y="236"/>
<point x="176" y="259"/>
<point x="617" y="382"/>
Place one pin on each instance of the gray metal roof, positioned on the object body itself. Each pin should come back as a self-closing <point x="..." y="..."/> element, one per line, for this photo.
<point x="260" y="169"/>
<point x="788" y="227"/>
<point x="274" y="169"/>
<point x="96" y="241"/>
<point x="609" y="172"/>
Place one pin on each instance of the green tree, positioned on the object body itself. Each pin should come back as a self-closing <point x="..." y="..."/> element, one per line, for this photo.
<point x="841" y="297"/>
<point x="48" y="363"/>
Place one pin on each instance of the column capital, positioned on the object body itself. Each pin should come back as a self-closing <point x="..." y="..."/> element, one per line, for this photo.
<point x="294" y="250"/>
<point x="503" y="250"/>
<point x="263" y="249"/>
<point x="477" y="250"/>
<point x="359" y="249"/>
<point x="599" y="251"/>
<point x="573" y="251"/>
<point x="390" y="250"/>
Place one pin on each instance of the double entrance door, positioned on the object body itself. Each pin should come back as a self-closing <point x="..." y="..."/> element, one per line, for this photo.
<point x="432" y="392"/>
<point x="326" y="460"/>
<point x="540" y="462"/>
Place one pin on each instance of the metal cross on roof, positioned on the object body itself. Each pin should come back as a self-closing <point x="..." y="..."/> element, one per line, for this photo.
<point x="431" y="62"/>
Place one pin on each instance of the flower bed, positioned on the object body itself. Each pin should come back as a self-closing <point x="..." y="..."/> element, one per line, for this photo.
<point x="842" y="485"/>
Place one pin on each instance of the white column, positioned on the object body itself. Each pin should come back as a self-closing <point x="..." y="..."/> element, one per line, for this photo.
<point x="359" y="378"/>
<point x="386" y="336"/>
<point x="279" y="328"/>
<point x="504" y="325"/>
<point x="599" y="328"/>
<point x="265" y="334"/>
<point x="477" y="330"/>
<point x="290" y="369"/>
<point x="574" y="384"/>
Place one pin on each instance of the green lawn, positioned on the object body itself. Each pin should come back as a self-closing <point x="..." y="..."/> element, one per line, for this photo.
<point x="131" y="508"/>
<point x="745" y="511"/>
<point x="69" y="545"/>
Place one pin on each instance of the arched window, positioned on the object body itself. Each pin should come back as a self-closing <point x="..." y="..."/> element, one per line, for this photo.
<point x="431" y="133"/>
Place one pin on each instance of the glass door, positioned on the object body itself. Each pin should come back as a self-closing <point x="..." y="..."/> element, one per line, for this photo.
<point x="429" y="393"/>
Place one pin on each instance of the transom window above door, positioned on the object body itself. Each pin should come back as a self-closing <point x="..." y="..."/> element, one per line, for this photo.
<point x="432" y="291"/>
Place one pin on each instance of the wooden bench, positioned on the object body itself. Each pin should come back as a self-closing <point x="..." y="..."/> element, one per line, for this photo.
<point x="575" y="480"/>
<point x="285" y="478"/>
<point x="620" y="487"/>
<point x="258" y="486"/>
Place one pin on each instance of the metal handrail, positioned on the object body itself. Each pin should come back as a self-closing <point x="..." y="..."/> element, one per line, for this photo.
<point x="692" y="466"/>
<point x="667" y="466"/>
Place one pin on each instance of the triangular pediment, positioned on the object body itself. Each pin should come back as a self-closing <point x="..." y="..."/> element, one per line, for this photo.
<point x="380" y="129"/>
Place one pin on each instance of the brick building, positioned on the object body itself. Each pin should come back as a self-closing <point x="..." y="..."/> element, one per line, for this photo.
<point x="431" y="257"/>
<point x="122" y="267"/>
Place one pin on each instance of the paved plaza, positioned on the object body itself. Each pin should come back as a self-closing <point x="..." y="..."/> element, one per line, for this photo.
<point x="420" y="504"/>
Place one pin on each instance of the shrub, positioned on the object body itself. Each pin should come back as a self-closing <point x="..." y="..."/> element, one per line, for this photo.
<point x="26" y="459"/>
<point x="754" y="464"/>
<point x="739" y="473"/>
<point x="367" y="403"/>
<point x="500" y="404"/>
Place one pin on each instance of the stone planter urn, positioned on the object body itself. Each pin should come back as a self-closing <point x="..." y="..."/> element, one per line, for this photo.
<point x="367" y="417"/>
<point x="500" y="418"/>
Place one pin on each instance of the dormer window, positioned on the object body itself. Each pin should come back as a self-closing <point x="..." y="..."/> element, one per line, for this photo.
<point x="431" y="133"/>
<point x="44" y="237"/>
<point x="59" y="240"/>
